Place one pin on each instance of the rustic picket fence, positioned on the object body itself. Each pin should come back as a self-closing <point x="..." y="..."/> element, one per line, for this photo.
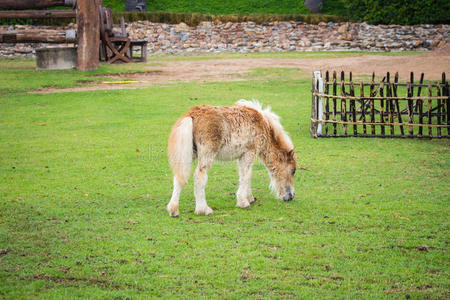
<point x="343" y="108"/>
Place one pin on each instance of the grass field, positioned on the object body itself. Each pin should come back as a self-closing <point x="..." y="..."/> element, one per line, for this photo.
<point x="84" y="182"/>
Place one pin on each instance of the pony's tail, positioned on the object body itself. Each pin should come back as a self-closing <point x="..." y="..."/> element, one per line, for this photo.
<point x="181" y="149"/>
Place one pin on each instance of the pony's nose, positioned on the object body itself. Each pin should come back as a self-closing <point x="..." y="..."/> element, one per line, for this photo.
<point x="289" y="195"/>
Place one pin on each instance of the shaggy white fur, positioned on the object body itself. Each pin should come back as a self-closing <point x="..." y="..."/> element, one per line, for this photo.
<point x="270" y="117"/>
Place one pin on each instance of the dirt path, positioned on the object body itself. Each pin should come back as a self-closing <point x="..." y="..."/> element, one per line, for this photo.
<point x="432" y="64"/>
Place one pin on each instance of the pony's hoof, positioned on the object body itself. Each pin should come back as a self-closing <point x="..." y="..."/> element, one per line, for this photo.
<point x="252" y="200"/>
<point x="173" y="210"/>
<point x="243" y="204"/>
<point x="204" y="211"/>
<point x="174" y="214"/>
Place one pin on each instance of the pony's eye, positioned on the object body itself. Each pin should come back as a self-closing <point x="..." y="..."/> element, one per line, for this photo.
<point x="293" y="172"/>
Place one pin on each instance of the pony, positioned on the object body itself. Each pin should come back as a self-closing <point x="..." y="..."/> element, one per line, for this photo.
<point x="242" y="132"/>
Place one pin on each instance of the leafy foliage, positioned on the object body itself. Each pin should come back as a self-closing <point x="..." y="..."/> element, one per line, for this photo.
<point x="372" y="11"/>
<point x="219" y="7"/>
<point x="392" y="12"/>
<point x="191" y="12"/>
<point x="193" y="19"/>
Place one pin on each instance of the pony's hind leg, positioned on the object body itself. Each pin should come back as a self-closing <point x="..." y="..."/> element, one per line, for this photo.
<point x="244" y="194"/>
<point x="200" y="179"/>
<point x="172" y="207"/>
<point x="181" y="155"/>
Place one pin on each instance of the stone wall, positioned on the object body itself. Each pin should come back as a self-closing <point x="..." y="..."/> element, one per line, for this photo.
<point x="273" y="37"/>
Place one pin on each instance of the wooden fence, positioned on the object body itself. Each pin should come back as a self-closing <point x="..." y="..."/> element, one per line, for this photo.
<point x="387" y="108"/>
<point x="86" y="36"/>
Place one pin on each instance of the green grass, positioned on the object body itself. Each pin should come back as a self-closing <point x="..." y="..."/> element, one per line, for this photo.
<point x="333" y="7"/>
<point x="219" y="7"/>
<point x="20" y="75"/>
<point x="372" y="11"/>
<point x="84" y="182"/>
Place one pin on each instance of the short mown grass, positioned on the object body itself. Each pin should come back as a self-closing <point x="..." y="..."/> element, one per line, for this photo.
<point x="84" y="182"/>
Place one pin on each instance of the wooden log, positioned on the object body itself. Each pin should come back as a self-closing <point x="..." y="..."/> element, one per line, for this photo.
<point x="397" y="84"/>
<point x="446" y="92"/>
<point x="444" y="88"/>
<point x="31" y="4"/>
<point x="421" y="98"/>
<point x="363" y="107"/>
<point x="353" y="108"/>
<point x="37" y="14"/>
<point x="397" y="105"/>
<point x="391" y="108"/>
<point x="313" y="128"/>
<point x="343" y="103"/>
<point x="88" y="34"/>
<point x="334" y="102"/>
<point x="439" y="110"/>
<point x="375" y="136"/>
<point x="430" y="93"/>
<point x="327" y="100"/>
<point x="419" y="106"/>
<point x="378" y="123"/>
<point x="372" y="103"/>
<point x="38" y="36"/>
<point x="382" y="107"/>
<point x="419" y="90"/>
<point x="389" y="102"/>
<point x="410" y="111"/>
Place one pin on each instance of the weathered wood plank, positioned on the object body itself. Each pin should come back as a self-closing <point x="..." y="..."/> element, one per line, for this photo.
<point x="88" y="34"/>
<point x="446" y="92"/>
<point x="419" y="104"/>
<point x="372" y="103"/>
<point x="410" y="111"/>
<point x="38" y="36"/>
<point x="363" y="107"/>
<point x="397" y="105"/>
<point x="30" y="4"/>
<point x="343" y="103"/>
<point x="353" y="109"/>
<point x="334" y="102"/>
<point x="37" y="14"/>
<point x="327" y="100"/>
<point x="430" y="93"/>
<point x="381" y="88"/>
<point x="439" y="110"/>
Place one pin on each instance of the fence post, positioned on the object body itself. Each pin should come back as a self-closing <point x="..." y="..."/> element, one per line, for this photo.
<point x="318" y="84"/>
<point x="88" y="34"/>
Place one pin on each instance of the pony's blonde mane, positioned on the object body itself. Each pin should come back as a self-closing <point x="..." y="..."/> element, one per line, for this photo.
<point x="272" y="119"/>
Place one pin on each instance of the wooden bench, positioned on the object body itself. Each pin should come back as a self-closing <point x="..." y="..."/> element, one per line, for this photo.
<point x="117" y="46"/>
<point x="143" y="47"/>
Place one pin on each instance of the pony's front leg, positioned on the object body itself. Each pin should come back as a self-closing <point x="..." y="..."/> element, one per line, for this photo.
<point x="244" y="194"/>
<point x="200" y="179"/>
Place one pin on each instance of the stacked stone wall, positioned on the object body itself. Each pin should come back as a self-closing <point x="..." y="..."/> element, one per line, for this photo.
<point x="271" y="37"/>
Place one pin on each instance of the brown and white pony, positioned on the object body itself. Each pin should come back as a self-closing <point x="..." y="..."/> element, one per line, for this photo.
<point x="241" y="132"/>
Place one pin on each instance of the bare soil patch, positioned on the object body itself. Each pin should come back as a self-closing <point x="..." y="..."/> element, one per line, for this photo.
<point x="432" y="64"/>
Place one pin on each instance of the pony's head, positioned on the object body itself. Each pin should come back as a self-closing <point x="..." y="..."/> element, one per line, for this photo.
<point x="280" y="157"/>
<point x="282" y="175"/>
